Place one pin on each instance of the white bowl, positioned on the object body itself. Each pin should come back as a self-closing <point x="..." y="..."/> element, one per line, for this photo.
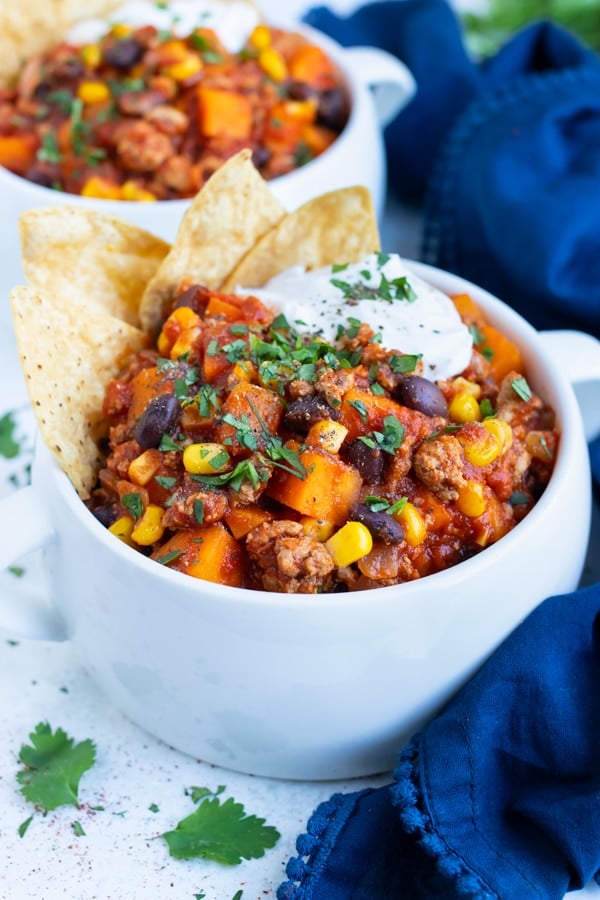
<point x="379" y="86"/>
<point x="301" y="686"/>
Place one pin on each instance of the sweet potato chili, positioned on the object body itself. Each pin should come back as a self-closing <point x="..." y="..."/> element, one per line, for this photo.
<point x="243" y="453"/>
<point x="145" y="115"/>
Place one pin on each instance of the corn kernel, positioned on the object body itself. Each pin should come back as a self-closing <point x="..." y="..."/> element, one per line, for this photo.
<point x="101" y="188"/>
<point x="260" y="37"/>
<point x="463" y="385"/>
<point x="317" y="529"/>
<point x="187" y="68"/>
<point x="413" y="523"/>
<point x="273" y="64"/>
<point x="350" y="543"/>
<point x="163" y="344"/>
<point x="205" y="459"/>
<point x="183" y="344"/>
<point x="464" y="408"/>
<point x="120" y="30"/>
<point x="91" y="55"/>
<point x="327" y="434"/>
<point x="132" y="191"/>
<point x="93" y="92"/>
<point x="144" y="467"/>
<point x="149" y="528"/>
<point x="471" y="501"/>
<point x="481" y="451"/>
<point x="122" y="529"/>
<point x="501" y="431"/>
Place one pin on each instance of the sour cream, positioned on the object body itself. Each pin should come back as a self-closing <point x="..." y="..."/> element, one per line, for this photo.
<point x="410" y="315"/>
<point x="232" y="21"/>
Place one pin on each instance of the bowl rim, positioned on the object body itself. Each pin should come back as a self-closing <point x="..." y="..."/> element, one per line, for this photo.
<point x="563" y="401"/>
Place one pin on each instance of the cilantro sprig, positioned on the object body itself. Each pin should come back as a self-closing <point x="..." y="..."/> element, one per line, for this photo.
<point x="54" y="767"/>
<point x="221" y="831"/>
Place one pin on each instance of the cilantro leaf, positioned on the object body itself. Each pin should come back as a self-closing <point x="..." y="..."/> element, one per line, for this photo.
<point x="133" y="503"/>
<point x="9" y="447"/>
<point x="222" y="832"/>
<point x="55" y="765"/>
<point x="521" y="388"/>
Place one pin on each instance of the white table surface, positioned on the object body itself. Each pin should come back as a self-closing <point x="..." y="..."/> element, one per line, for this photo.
<point x="121" y="857"/>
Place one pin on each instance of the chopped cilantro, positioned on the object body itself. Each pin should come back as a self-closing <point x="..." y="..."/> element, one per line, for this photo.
<point x="521" y="388"/>
<point x="382" y="259"/>
<point x="486" y="408"/>
<point x="198" y="511"/>
<point x="360" y="408"/>
<point x="338" y="267"/>
<point x="54" y="766"/>
<point x="154" y="808"/>
<point x="167" y="443"/>
<point x="133" y="502"/>
<point x="518" y="498"/>
<point x="49" y="151"/>
<point x="388" y="440"/>
<point x="169" y="557"/>
<point x="17" y="571"/>
<point x="78" y="828"/>
<point x="165" y="481"/>
<point x="24" y="826"/>
<point x="403" y="364"/>
<point x="213" y="348"/>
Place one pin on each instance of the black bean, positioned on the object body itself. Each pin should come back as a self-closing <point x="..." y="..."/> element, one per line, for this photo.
<point x="123" y="54"/>
<point x="382" y="526"/>
<point x="106" y="515"/>
<point x="261" y="156"/>
<point x="66" y="70"/>
<point x="332" y="111"/>
<point x="299" y="90"/>
<point x="196" y="297"/>
<point x="421" y="394"/>
<point x="368" y="460"/>
<point x="159" y="417"/>
<point x="303" y="413"/>
<point x="40" y="176"/>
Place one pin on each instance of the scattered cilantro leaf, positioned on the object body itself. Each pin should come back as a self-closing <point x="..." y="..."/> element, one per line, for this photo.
<point x="154" y="808"/>
<point x="222" y="832"/>
<point x="24" y="826"/>
<point x="403" y="364"/>
<point x="167" y="443"/>
<point x="55" y="765"/>
<point x="198" y="511"/>
<point x="78" y="828"/>
<point x="169" y="557"/>
<point x="17" y="571"/>
<point x="9" y="446"/>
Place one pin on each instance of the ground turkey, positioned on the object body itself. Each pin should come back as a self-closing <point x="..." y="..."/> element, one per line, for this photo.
<point x="283" y="559"/>
<point x="439" y="465"/>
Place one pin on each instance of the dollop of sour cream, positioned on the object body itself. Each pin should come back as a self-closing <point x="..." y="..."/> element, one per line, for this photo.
<point x="409" y="314"/>
<point x="233" y="21"/>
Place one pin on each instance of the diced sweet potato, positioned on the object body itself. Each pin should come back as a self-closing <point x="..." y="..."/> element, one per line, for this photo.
<point x="328" y="490"/>
<point x="468" y="309"/>
<point x="209" y="553"/>
<point x="17" y="152"/>
<point x="224" y="113"/>
<point x="256" y="408"/>
<point x="505" y="356"/>
<point x="362" y="412"/>
<point x="147" y="384"/>
<point x="312" y="65"/>
<point x="242" y="519"/>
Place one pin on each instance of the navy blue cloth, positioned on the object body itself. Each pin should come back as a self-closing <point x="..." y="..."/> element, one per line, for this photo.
<point x="498" y="797"/>
<point x="504" y="155"/>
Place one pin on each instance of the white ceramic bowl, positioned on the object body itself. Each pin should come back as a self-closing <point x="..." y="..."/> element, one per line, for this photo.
<point x="379" y="86"/>
<point x="301" y="686"/>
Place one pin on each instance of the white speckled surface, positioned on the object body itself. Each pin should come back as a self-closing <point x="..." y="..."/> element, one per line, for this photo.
<point x="121" y="856"/>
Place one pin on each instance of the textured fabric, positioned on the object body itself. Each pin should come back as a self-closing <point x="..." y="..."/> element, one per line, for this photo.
<point x="498" y="797"/>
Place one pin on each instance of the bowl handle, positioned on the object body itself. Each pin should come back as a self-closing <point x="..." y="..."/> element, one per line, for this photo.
<point x="30" y="615"/>
<point x="579" y="355"/>
<point x="390" y="82"/>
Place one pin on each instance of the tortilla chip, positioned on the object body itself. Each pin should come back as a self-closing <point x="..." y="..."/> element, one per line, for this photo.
<point x="68" y="359"/>
<point x="89" y="259"/>
<point x="233" y="210"/>
<point x="30" y="28"/>
<point x="338" y="227"/>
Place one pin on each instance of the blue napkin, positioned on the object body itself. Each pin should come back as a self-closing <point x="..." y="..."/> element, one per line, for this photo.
<point x="504" y="156"/>
<point x="498" y="797"/>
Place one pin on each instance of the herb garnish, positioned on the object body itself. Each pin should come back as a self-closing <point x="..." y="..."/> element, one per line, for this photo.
<point x="220" y="831"/>
<point x="388" y="440"/>
<point x="133" y="502"/>
<point x="521" y="388"/>
<point x="380" y="504"/>
<point x="54" y="766"/>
